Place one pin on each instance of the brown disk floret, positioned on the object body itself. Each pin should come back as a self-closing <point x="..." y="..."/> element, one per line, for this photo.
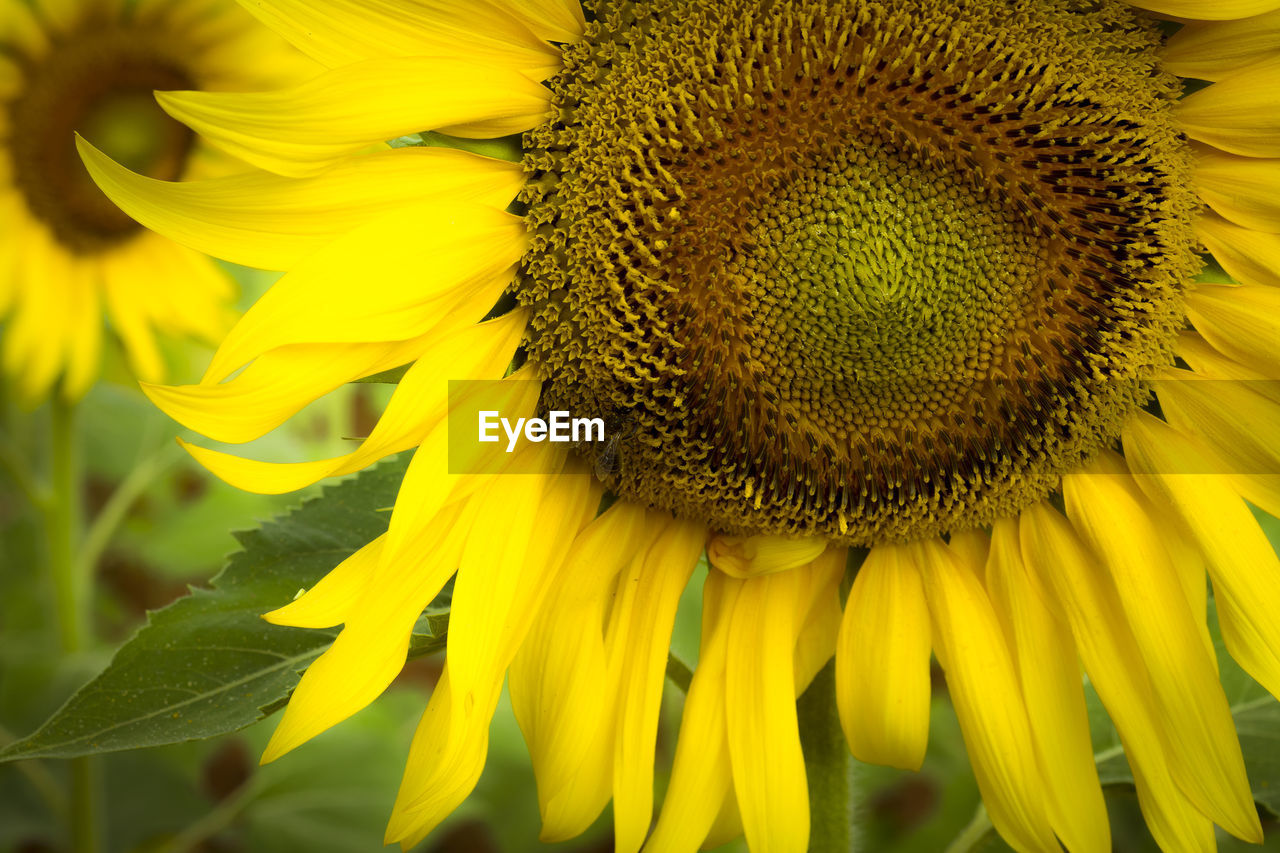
<point x="865" y="271"/>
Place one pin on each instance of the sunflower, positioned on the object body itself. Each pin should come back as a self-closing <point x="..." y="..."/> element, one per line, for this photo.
<point x="66" y="252"/>
<point x="917" y="283"/>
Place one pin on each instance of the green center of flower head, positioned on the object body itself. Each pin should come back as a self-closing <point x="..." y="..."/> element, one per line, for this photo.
<point x="858" y="270"/>
<point x="97" y="82"/>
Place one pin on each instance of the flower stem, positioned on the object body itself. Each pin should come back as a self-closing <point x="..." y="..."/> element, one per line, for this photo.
<point x="71" y="600"/>
<point x="62" y="522"/>
<point x="829" y="766"/>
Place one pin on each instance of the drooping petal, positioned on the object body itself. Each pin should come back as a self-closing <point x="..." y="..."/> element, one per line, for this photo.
<point x="263" y="220"/>
<point x="1247" y="255"/>
<point x="1208" y="765"/>
<point x="639" y="639"/>
<point x="559" y="677"/>
<point x="1052" y="551"/>
<point x="1240" y="113"/>
<point x="1244" y="566"/>
<point x="882" y="661"/>
<point x="370" y="651"/>
<point x="504" y="575"/>
<point x="1049" y="671"/>
<point x="328" y="602"/>
<point x="760" y="715"/>
<point x="303" y="130"/>
<point x="340" y="32"/>
<point x="984" y="688"/>
<point x="701" y="777"/>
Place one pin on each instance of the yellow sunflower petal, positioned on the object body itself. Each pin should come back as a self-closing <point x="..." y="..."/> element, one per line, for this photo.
<point x="504" y="574"/>
<point x="1049" y="671"/>
<point x="419" y="405"/>
<point x="1241" y="322"/>
<point x="460" y="255"/>
<point x="1242" y="189"/>
<point x="760" y="716"/>
<point x="1244" y="566"/>
<point x="882" y="661"/>
<point x="1208" y="362"/>
<point x="559" y="677"/>
<point x="328" y="602"/>
<point x="1214" y="50"/>
<point x="1249" y="256"/>
<point x="641" y="636"/>
<point x="303" y="130"/>
<point x="1185" y="686"/>
<point x="82" y="319"/>
<point x="553" y="20"/>
<point x="821" y="618"/>
<point x="260" y="219"/>
<point x="1075" y="578"/>
<point x="701" y="778"/>
<point x="748" y="556"/>
<point x="340" y="32"/>
<point x="1240" y="114"/>
<point x="370" y="651"/>
<point x="1209" y="10"/>
<point x="985" y="691"/>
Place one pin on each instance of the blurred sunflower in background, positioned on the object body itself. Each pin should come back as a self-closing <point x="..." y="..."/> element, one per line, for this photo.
<point x="916" y="283"/>
<point x="66" y="253"/>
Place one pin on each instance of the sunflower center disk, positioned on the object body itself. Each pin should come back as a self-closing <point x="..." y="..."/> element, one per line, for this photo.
<point x="97" y="82"/>
<point x="871" y="273"/>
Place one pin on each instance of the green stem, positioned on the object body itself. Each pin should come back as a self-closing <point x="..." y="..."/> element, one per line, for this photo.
<point x="62" y="522"/>
<point x="829" y="766"/>
<point x="108" y="519"/>
<point x="977" y="829"/>
<point x="71" y="601"/>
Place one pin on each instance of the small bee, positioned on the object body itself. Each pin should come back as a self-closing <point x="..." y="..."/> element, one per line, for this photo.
<point x="607" y="463"/>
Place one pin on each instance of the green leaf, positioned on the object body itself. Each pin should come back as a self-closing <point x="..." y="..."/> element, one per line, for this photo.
<point x="208" y="664"/>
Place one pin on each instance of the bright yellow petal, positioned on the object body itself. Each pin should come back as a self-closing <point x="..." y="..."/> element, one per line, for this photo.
<point x="1212" y="51"/>
<point x="1242" y="189"/>
<point x="512" y="558"/>
<point x="1240" y="114"/>
<point x="553" y="20"/>
<point x="1049" y="671"/>
<point x="1252" y="257"/>
<point x="639" y="639"/>
<point x="419" y="405"/>
<point x="821" y="616"/>
<point x="1244" y="566"/>
<point x="701" y="777"/>
<point x="302" y="131"/>
<point x="340" y="32"/>
<point x="429" y="260"/>
<point x="559" y="677"/>
<point x="1241" y="322"/>
<point x="328" y="602"/>
<point x="1209" y="10"/>
<point x="370" y="651"/>
<point x="260" y="219"/>
<point x="1208" y="362"/>
<point x="749" y="556"/>
<point x="984" y="688"/>
<point x="1208" y="763"/>
<point x="760" y="716"/>
<point x="882" y="661"/>
<point x="1075" y="578"/>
